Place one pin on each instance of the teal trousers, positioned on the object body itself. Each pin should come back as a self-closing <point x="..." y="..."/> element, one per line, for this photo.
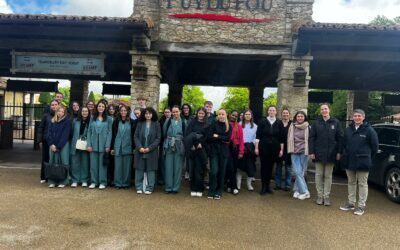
<point x="151" y="180"/>
<point x="80" y="167"/>
<point x="98" y="172"/>
<point x="173" y="171"/>
<point x="122" y="170"/>
<point x="60" y="157"/>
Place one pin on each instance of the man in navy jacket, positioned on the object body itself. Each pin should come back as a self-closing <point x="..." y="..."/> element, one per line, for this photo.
<point x="360" y="146"/>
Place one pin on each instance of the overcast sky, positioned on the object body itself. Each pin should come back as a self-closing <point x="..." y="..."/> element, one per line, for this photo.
<point x="339" y="11"/>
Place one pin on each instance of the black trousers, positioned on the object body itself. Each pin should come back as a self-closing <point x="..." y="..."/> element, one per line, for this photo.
<point x="232" y="166"/>
<point x="196" y="174"/>
<point x="248" y="164"/>
<point x="45" y="158"/>
<point x="268" y="159"/>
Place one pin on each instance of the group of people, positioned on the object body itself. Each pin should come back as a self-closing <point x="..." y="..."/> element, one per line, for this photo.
<point x="214" y="152"/>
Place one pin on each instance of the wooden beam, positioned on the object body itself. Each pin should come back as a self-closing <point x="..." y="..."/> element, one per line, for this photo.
<point x="209" y="49"/>
<point x="64" y="45"/>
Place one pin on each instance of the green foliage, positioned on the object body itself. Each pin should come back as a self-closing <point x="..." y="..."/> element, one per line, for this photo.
<point x="376" y="110"/>
<point x="66" y="92"/>
<point x="193" y="96"/>
<point x="384" y="21"/>
<point x="163" y="104"/>
<point x="338" y="107"/>
<point x="91" y="97"/>
<point x="272" y="99"/>
<point x="45" y="98"/>
<point x="236" y="99"/>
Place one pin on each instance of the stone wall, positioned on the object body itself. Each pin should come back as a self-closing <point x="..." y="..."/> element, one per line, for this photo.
<point x="276" y="32"/>
<point x="149" y="89"/>
<point x="295" y="98"/>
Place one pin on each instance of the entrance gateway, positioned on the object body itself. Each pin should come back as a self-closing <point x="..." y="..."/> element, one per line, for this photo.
<point x="240" y="43"/>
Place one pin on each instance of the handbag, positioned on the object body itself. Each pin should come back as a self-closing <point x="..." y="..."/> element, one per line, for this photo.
<point x="56" y="171"/>
<point x="81" y="144"/>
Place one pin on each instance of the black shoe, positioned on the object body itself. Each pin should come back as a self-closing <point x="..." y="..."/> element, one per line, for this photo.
<point x="269" y="191"/>
<point x="263" y="189"/>
<point x="277" y="188"/>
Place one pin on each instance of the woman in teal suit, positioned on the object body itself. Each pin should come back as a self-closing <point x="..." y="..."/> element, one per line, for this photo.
<point x="58" y="139"/>
<point x="98" y="143"/>
<point x="80" y="158"/>
<point x="147" y="140"/>
<point x="122" y="146"/>
<point x="173" y="131"/>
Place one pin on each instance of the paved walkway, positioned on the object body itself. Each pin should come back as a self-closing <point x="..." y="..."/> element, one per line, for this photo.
<point x="33" y="216"/>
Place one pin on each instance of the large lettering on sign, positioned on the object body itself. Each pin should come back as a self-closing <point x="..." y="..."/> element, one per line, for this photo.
<point x="225" y="5"/>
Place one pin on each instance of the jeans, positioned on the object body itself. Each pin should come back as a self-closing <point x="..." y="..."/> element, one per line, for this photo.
<point x="278" y="174"/>
<point x="299" y="163"/>
<point x="362" y="178"/>
<point x="323" y="178"/>
<point x="217" y="175"/>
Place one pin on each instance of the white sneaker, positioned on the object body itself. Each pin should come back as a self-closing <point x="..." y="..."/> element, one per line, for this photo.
<point x="193" y="194"/>
<point x="42" y="181"/>
<point x="61" y="186"/>
<point x="296" y="195"/>
<point x="52" y="186"/>
<point x="304" y="196"/>
<point x="74" y="185"/>
<point x="199" y="194"/>
<point x="235" y="191"/>
<point x="147" y="192"/>
<point x="102" y="186"/>
<point x="92" y="186"/>
<point x="139" y="192"/>
<point x="249" y="184"/>
<point x="84" y="184"/>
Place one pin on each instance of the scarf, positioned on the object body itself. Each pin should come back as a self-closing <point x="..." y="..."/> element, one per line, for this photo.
<point x="290" y="140"/>
<point x="271" y="119"/>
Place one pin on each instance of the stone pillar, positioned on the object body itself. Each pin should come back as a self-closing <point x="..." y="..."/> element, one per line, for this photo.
<point x="175" y="95"/>
<point x="256" y="96"/>
<point x="356" y="99"/>
<point x="295" y="98"/>
<point x="79" y="91"/>
<point x="149" y="89"/>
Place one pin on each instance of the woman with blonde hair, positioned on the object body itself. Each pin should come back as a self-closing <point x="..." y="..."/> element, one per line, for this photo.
<point x="219" y="138"/>
<point x="58" y="140"/>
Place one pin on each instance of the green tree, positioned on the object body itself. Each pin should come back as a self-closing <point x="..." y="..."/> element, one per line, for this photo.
<point x="236" y="99"/>
<point x="272" y="99"/>
<point x="91" y="97"/>
<point x="66" y="92"/>
<point x="163" y="104"/>
<point x="45" y="98"/>
<point x="384" y="21"/>
<point x="193" y="96"/>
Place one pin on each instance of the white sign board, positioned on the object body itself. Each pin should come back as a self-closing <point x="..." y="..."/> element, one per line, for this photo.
<point x="52" y="63"/>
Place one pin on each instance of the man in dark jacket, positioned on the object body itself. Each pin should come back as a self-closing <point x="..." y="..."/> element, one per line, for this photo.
<point x="325" y="146"/>
<point x="42" y="136"/>
<point x="360" y="146"/>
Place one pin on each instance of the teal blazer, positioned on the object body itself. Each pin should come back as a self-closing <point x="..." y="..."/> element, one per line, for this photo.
<point x="99" y="138"/>
<point x="76" y="126"/>
<point x="122" y="142"/>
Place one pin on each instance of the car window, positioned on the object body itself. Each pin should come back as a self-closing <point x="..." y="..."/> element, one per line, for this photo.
<point x="388" y="136"/>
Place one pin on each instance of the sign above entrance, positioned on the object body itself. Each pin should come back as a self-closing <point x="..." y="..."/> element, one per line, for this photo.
<point x="226" y="18"/>
<point x="225" y="5"/>
<point x="53" y="63"/>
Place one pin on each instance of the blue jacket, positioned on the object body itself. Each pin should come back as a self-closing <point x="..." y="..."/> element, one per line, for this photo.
<point x="99" y="138"/>
<point x="59" y="132"/>
<point x="360" y="146"/>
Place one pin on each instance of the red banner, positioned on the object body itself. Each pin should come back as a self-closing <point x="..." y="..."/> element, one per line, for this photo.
<point x="226" y="18"/>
